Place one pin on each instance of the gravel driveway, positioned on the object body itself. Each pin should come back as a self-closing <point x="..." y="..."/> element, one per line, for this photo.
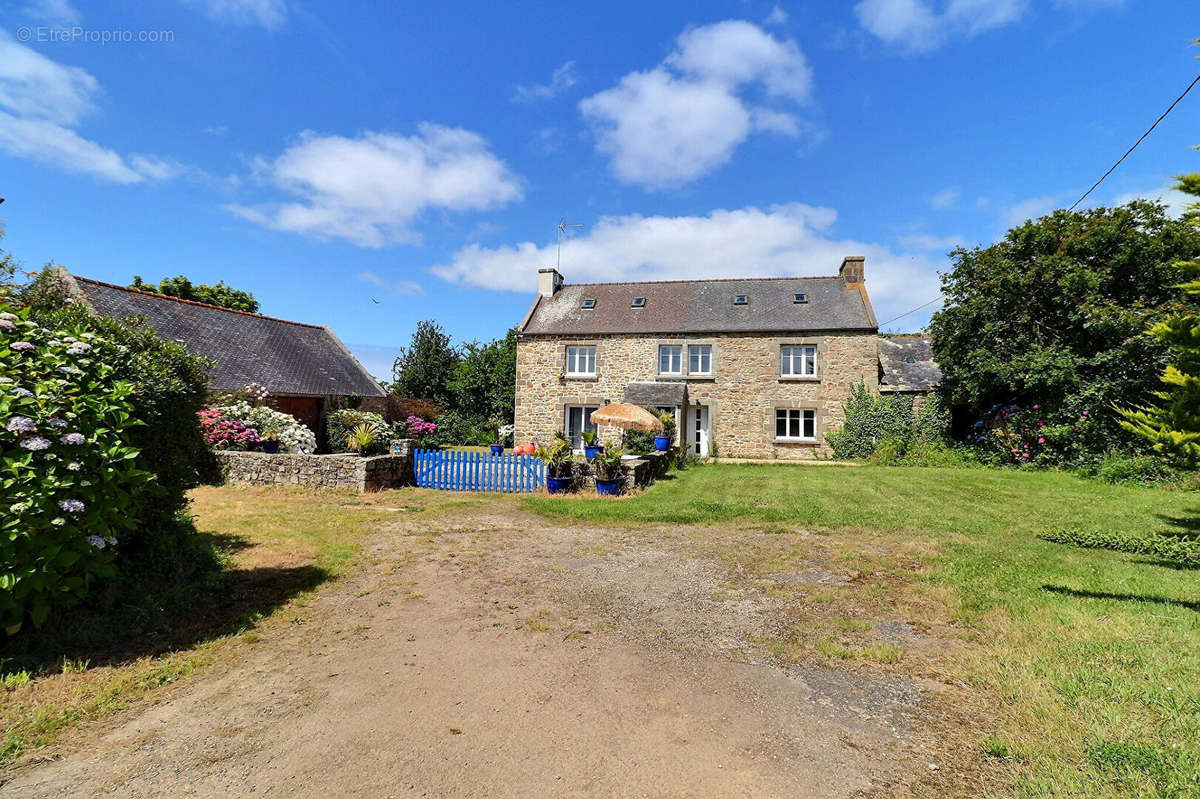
<point x="508" y="656"/>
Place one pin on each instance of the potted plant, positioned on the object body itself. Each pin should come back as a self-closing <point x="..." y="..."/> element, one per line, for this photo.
<point x="663" y="442"/>
<point x="495" y="425"/>
<point x="590" y="446"/>
<point x="559" y="465"/>
<point x="361" y="438"/>
<point x="269" y="441"/>
<point x="609" y="475"/>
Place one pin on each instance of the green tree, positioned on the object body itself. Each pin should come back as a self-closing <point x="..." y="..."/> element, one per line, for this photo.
<point x="1172" y="426"/>
<point x="485" y="380"/>
<point x="1054" y="314"/>
<point x="425" y="368"/>
<point x="218" y="294"/>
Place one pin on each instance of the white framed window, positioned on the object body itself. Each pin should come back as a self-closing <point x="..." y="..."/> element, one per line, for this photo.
<point x="795" y="424"/>
<point x="798" y="361"/>
<point x="581" y="361"/>
<point x="670" y="359"/>
<point x="700" y="359"/>
<point x="577" y="419"/>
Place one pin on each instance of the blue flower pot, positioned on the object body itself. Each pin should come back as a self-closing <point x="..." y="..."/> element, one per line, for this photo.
<point x="497" y="449"/>
<point x="270" y="447"/>
<point x="558" y="485"/>
<point x="591" y="452"/>
<point x="662" y="443"/>
<point x="608" y="487"/>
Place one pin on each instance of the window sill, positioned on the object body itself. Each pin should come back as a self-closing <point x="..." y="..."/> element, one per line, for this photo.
<point x="800" y="441"/>
<point x="583" y="378"/>
<point x="702" y="378"/>
<point x="669" y="376"/>
<point x="805" y="379"/>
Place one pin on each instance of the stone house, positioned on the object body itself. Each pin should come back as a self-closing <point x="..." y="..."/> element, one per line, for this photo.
<point x="753" y="368"/>
<point x="304" y="367"/>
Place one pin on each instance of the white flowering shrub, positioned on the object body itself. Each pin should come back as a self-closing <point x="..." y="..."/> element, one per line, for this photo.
<point x="66" y="473"/>
<point x="293" y="435"/>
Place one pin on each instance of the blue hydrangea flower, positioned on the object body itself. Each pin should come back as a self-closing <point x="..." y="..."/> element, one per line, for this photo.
<point x="20" y="345"/>
<point x="35" y="444"/>
<point x="57" y="422"/>
<point x="74" y="439"/>
<point x="97" y="541"/>
<point x="71" y="505"/>
<point x="20" y="424"/>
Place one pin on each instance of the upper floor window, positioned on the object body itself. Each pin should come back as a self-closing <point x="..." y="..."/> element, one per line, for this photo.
<point x="741" y="299"/>
<point x="798" y="361"/>
<point x="700" y="359"/>
<point x="670" y="359"/>
<point x="581" y="361"/>
<point x="638" y="302"/>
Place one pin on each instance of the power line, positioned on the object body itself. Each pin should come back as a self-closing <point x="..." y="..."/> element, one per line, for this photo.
<point x="1141" y="138"/>
<point x="914" y="310"/>
<point x="1136" y="143"/>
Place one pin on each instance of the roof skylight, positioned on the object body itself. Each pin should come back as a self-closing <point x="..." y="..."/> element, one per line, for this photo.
<point x="741" y="299"/>
<point x="588" y="304"/>
<point x="638" y="302"/>
<point x="799" y="297"/>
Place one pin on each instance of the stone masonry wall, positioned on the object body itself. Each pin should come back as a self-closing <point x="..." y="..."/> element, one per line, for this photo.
<point x="742" y="394"/>
<point x="319" y="471"/>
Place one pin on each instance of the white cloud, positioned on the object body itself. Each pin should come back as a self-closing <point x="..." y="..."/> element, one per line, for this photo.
<point x="563" y="78"/>
<point x="916" y="26"/>
<point x="42" y="101"/>
<point x="264" y="13"/>
<point x="368" y="190"/>
<point x="401" y="288"/>
<point x="1175" y="200"/>
<point x="782" y="240"/>
<point x="1034" y="207"/>
<point x="53" y="12"/>
<point x="674" y="123"/>
<point x="945" y="198"/>
<point x="777" y="16"/>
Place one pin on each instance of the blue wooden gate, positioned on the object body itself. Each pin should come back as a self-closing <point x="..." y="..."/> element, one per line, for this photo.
<point x="460" y="470"/>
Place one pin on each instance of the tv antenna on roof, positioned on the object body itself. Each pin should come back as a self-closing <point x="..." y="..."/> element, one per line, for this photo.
<point x="563" y="224"/>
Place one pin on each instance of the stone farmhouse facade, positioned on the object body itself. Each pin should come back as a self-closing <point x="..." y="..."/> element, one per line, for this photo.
<point x="753" y="368"/>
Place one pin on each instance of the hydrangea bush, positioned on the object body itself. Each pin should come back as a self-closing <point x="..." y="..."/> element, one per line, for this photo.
<point x="339" y="424"/>
<point x="240" y="425"/>
<point x="1036" y="435"/>
<point x="66" y="472"/>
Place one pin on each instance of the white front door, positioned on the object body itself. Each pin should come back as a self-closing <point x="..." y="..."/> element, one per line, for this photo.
<point x="698" y="431"/>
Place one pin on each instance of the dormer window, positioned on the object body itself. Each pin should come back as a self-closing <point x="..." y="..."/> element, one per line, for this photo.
<point x="588" y="304"/>
<point x="741" y="299"/>
<point x="910" y="359"/>
<point x="798" y="298"/>
<point x="638" y="302"/>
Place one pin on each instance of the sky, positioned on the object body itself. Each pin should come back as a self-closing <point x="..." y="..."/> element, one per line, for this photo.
<point x="367" y="166"/>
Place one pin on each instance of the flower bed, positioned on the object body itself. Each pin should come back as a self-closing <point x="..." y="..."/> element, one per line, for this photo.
<point x="241" y="426"/>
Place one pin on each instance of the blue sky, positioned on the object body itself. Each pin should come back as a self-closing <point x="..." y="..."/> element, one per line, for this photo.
<point x="321" y="155"/>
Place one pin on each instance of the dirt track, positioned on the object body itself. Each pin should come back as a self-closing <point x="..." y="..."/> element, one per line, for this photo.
<point x="511" y="657"/>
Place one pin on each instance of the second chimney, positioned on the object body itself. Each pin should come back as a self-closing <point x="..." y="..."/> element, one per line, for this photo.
<point x="851" y="270"/>
<point x="549" y="282"/>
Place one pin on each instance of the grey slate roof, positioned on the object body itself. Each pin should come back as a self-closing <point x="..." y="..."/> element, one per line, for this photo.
<point x="288" y="358"/>
<point x="656" y="394"/>
<point x="897" y="374"/>
<point x="704" y="306"/>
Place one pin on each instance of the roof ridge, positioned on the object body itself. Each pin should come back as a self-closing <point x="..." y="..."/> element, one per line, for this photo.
<point x="705" y="280"/>
<point x="193" y="302"/>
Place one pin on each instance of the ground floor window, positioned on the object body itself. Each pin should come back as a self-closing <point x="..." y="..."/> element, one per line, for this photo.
<point x="795" y="424"/>
<point x="578" y="420"/>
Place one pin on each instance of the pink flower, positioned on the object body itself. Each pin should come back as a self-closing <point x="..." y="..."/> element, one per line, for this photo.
<point x="1041" y="440"/>
<point x="1025" y="455"/>
<point x="1036" y="407"/>
<point x="1085" y="413"/>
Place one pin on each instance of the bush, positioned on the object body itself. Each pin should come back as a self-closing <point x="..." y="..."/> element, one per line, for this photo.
<point x="246" y="422"/>
<point x="169" y="386"/>
<point x="1119" y="468"/>
<point x="1183" y="549"/>
<point x="68" y="471"/>
<point x="875" y="419"/>
<point x="456" y="428"/>
<point x="638" y="442"/>
<point x="340" y="424"/>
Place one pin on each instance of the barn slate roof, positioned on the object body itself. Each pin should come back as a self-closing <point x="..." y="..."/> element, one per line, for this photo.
<point x="897" y="374"/>
<point x="288" y="358"/>
<point x="704" y="306"/>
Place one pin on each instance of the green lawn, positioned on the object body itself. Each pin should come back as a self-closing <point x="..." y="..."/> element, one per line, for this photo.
<point x="1088" y="661"/>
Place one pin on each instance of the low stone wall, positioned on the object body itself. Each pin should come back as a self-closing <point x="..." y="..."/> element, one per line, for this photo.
<point x="354" y="472"/>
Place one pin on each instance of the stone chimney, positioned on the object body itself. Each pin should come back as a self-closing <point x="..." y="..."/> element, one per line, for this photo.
<point x="549" y="282"/>
<point x="851" y="270"/>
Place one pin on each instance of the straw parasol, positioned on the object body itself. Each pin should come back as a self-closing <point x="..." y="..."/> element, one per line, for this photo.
<point x="627" y="417"/>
